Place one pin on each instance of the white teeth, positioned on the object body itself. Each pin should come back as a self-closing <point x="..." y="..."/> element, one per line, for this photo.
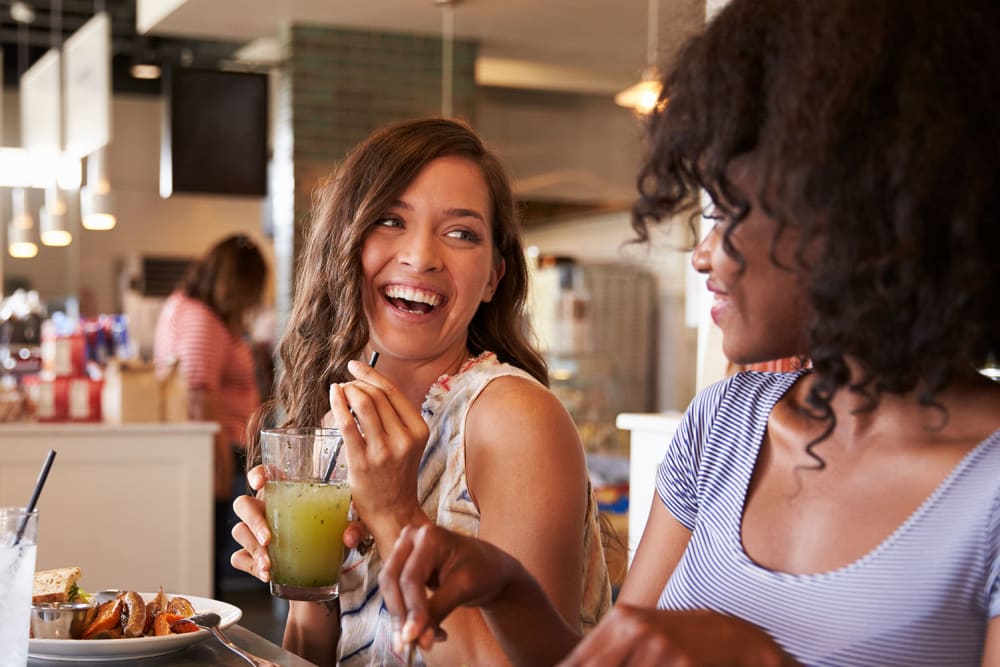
<point x="412" y="294"/>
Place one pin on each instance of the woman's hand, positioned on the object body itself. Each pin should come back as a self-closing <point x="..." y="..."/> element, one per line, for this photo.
<point x="639" y="636"/>
<point x="253" y="534"/>
<point x="430" y="572"/>
<point x="383" y="455"/>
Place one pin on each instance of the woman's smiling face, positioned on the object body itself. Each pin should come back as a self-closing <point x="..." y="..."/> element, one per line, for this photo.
<point x="759" y="305"/>
<point x="429" y="262"/>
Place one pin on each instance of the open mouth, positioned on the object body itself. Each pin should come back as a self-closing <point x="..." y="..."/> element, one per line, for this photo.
<point x="412" y="299"/>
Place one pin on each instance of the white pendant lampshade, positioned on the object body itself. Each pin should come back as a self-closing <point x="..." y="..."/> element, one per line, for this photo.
<point x="20" y="239"/>
<point x="53" y="219"/>
<point x="96" y="199"/>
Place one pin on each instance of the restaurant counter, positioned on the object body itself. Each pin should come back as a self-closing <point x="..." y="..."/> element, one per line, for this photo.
<point x="207" y="652"/>
<point x="650" y="435"/>
<point x="130" y="504"/>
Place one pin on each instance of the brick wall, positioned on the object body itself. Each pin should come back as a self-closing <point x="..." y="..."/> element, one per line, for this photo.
<point x="335" y="87"/>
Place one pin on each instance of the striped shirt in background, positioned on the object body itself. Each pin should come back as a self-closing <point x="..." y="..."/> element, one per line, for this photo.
<point x="211" y="357"/>
<point x="922" y="597"/>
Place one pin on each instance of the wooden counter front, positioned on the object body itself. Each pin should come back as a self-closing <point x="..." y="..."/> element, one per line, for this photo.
<point x="130" y="504"/>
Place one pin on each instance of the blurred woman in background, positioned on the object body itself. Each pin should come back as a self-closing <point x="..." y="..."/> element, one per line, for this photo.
<point x="202" y="327"/>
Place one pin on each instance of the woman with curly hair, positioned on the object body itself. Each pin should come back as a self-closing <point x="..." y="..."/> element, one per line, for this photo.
<point x="414" y="252"/>
<point x="844" y="514"/>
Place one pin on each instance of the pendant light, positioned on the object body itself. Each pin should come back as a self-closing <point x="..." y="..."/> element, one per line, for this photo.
<point x="20" y="242"/>
<point x="96" y="200"/>
<point x="644" y="96"/>
<point x="53" y="220"/>
<point x="447" y="54"/>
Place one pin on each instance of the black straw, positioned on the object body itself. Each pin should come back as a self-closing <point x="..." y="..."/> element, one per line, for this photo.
<point x="333" y="459"/>
<point x="42" y="476"/>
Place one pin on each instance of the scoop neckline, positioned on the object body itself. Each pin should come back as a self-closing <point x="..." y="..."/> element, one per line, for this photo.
<point x="925" y="506"/>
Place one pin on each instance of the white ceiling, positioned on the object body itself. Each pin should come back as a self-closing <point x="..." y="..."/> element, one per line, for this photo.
<point x="587" y="45"/>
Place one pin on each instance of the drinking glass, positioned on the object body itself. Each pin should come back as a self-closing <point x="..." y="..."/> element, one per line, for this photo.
<point x="18" y="532"/>
<point x="306" y="510"/>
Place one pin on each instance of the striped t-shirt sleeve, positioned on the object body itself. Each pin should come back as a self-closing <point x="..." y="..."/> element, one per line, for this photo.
<point x="677" y="476"/>
<point x="994" y="560"/>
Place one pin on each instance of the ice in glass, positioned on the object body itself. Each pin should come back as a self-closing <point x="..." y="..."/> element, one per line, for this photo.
<point x="18" y="530"/>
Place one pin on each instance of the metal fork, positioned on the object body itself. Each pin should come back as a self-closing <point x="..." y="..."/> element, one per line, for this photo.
<point x="210" y="621"/>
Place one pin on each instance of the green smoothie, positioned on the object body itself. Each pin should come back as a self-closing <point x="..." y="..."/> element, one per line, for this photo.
<point x="307" y="521"/>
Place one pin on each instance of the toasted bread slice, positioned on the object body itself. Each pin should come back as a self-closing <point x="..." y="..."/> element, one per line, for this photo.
<point x="54" y="585"/>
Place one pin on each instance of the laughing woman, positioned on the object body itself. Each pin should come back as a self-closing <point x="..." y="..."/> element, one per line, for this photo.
<point x="415" y="252"/>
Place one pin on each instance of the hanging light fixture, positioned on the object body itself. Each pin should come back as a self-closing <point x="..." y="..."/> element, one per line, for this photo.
<point x="53" y="219"/>
<point x="145" y="63"/>
<point x="447" y="54"/>
<point x="20" y="243"/>
<point x="96" y="200"/>
<point x="645" y="95"/>
<point x="53" y="223"/>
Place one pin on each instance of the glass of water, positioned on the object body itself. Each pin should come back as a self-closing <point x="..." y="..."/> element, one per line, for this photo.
<point x="18" y="532"/>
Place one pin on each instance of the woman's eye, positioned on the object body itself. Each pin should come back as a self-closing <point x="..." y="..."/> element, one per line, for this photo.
<point x="464" y="235"/>
<point x="389" y="222"/>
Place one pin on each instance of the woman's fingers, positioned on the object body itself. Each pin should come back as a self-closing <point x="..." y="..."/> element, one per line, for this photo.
<point x="410" y="418"/>
<point x="354" y="534"/>
<point x="253" y="534"/>
<point x="251" y="511"/>
<point x="253" y="557"/>
<point x="403" y="582"/>
<point x="257" y="477"/>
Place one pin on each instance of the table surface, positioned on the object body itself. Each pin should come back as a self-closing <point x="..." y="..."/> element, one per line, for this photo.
<point x="208" y="652"/>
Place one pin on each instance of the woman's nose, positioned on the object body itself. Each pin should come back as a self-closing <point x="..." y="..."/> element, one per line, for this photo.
<point x="419" y="251"/>
<point x="701" y="257"/>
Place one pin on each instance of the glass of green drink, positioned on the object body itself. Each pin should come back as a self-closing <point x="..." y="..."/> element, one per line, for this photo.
<point x="306" y="499"/>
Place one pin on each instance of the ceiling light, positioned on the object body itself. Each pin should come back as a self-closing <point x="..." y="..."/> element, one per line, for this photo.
<point x="96" y="199"/>
<point x="20" y="243"/>
<point x="145" y="71"/>
<point x="645" y="95"/>
<point x="22" y="12"/>
<point x="53" y="219"/>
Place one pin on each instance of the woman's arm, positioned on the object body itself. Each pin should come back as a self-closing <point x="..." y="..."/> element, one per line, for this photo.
<point x="991" y="649"/>
<point x="526" y="473"/>
<point x="313" y="630"/>
<point x="433" y="571"/>
<point x="528" y="477"/>
<point x="663" y="542"/>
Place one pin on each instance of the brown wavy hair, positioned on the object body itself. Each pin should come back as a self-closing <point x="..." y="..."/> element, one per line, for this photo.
<point x="327" y="326"/>
<point x="229" y="279"/>
<point x="874" y="128"/>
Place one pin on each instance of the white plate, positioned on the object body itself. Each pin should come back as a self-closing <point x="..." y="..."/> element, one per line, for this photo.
<point x="92" y="650"/>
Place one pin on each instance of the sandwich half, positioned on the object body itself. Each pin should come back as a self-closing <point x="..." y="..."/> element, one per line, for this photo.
<point x="58" y="585"/>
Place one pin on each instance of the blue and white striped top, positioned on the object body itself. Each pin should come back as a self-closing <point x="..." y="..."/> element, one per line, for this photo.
<point x="921" y="597"/>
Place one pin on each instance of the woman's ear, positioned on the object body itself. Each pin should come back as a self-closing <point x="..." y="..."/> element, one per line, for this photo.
<point x="496" y="274"/>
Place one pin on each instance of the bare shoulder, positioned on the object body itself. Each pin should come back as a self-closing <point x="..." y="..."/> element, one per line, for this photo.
<point x="523" y="451"/>
<point x="509" y="401"/>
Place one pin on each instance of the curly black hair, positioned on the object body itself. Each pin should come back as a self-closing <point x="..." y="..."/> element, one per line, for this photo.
<point x="874" y="128"/>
